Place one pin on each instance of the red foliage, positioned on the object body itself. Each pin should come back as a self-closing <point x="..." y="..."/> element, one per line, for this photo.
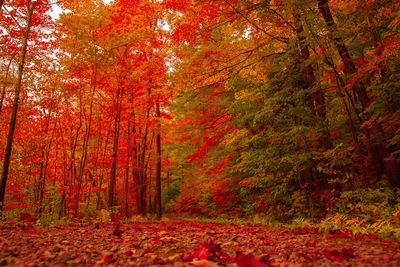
<point x="27" y="218"/>
<point x="222" y="194"/>
<point x="243" y="260"/>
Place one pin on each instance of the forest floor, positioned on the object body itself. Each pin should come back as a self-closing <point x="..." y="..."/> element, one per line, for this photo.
<point x="189" y="243"/>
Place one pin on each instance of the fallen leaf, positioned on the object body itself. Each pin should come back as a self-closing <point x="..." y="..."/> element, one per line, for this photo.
<point x="243" y="260"/>
<point x="204" y="263"/>
<point x="339" y="255"/>
<point x="108" y="258"/>
<point x="345" y="233"/>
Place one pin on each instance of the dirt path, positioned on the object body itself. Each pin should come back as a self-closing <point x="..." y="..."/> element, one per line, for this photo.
<point x="185" y="243"/>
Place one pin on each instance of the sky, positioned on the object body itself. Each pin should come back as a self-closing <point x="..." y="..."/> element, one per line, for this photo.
<point x="56" y="10"/>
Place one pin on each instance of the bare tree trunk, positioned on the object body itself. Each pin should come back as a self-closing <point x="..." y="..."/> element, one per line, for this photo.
<point x="158" y="167"/>
<point x="113" y="173"/>
<point x="13" y="119"/>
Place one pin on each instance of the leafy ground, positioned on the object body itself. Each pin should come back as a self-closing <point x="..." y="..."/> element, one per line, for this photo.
<point x="188" y="243"/>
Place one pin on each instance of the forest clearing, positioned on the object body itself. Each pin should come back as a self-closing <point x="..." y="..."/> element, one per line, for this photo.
<point x="200" y="132"/>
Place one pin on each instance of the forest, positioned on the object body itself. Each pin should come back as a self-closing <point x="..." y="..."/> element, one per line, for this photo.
<point x="169" y="117"/>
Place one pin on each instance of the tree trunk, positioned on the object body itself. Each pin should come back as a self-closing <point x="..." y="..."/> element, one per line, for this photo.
<point x="44" y="163"/>
<point x="158" y="168"/>
<point x="135" y="163"/>
<point x="375" y="142"/>
<point x="359" y="87"/>
<point x="317" y="101"/>
<point x="82" y="164"/>
<point x="13" y="119"/>
<point x="128" y="155"/>
<point x="141" y="194"/>
<point x="102" y="169"/>
<point x="147" y="174"/>
<point x="4" y="87"/>
<point x="113" y="173"/>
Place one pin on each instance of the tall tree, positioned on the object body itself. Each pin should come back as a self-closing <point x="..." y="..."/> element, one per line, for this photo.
<point x="13" y="119"/>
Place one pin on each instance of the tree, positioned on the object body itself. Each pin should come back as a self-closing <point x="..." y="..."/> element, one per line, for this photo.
<point x="13" y="120"/>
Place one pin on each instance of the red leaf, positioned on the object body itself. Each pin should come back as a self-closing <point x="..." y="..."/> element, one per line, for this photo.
<point x="304" y="230"/>
<point x="202" y="252"/>
<point x="341" y="234"/>
<point x="213" y="247"/>
<point x="108" y="258"/>
<point x="225" y="258"/>
<point x="243" y="260"/>
<point x="339" y="255"/>
<point x="361" y="236"/>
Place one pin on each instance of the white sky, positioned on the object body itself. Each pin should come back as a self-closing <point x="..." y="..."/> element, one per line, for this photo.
<point x="56" y="10"/>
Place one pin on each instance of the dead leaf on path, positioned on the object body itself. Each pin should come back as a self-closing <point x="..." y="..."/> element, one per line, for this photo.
<point x="204" y="263"/>
<point x="108" y="258"/>
<point x="243" y="260"/>
<point x="339" y="255"/>
<point x="174" y="258"/>
<point x="162" y="233"/>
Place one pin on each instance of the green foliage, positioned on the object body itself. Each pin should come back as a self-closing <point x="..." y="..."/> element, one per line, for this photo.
<point x="172" y="192"/>
<point x="369" y="204"/>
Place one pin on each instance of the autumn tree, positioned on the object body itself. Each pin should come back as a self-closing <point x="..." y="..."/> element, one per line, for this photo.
<point x="30" y="20"/>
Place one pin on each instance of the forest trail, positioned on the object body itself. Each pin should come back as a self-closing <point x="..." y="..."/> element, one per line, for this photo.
<point x="189" y="243"/>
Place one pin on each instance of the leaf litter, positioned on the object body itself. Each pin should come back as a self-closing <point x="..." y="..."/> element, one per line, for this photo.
<point x="190" y="243"/>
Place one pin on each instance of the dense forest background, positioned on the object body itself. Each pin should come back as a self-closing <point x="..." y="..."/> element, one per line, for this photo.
<point x="276" y="111"/>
